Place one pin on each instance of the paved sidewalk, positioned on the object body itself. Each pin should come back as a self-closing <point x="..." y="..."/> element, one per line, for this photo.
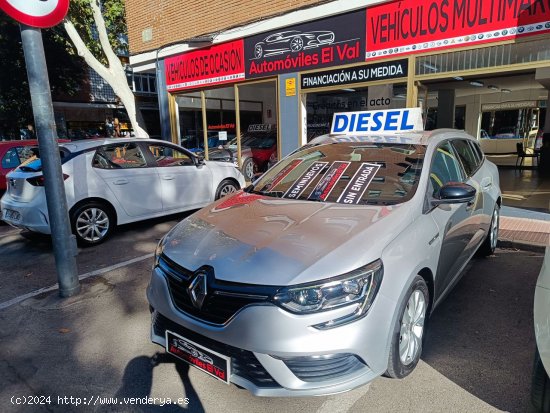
<point x="522" y="232"/>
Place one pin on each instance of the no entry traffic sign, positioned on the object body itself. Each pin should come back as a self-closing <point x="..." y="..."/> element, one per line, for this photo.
<point x="36" y="13"/>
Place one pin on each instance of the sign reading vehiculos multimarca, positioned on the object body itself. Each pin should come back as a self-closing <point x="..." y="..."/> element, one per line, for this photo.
<point x="404" y="27"/>
<point x="219" y="64"/>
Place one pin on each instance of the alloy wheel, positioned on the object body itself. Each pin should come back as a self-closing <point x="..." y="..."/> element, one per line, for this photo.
<point x="92" y="224"/>
<point x="412" y="328"/>
<point x="227" y="189"/>
<point x="494" y="229"/>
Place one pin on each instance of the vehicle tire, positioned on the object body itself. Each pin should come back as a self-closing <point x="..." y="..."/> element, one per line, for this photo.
<point x="249" y="169"/>
<point x="258" y="51"/>
<point x="490" y="243"/>
<point x="408" y="331"/>
<point x="226" y="187"/>
<point x="296" y="44"/>
<point x="540" y="386"/>
<point x="92" y="223"/>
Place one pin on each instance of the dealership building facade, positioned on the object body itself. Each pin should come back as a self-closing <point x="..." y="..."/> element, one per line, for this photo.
<point x="222" y="69"/>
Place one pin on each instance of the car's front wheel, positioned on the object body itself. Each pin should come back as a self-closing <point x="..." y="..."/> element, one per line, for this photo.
<point x="540" y="387"/>
<point x="490" y="243"/>
<point x="226" y="187"/>
<point x="408" y="332"/>
<point x="249" y="169"/>
<point x="92" y="223"/>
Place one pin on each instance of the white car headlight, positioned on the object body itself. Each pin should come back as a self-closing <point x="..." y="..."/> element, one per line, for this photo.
<point x="357" y="287"/>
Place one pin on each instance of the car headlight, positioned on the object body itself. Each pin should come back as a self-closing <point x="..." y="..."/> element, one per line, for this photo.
<point x="357" y="287"/>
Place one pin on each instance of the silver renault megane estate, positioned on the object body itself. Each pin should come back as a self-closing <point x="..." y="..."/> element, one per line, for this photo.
<point x="320" y="276"/>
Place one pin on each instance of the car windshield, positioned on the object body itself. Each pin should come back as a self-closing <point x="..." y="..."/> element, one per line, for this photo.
<point x="347" y="173"/>
<point x="34" y="163"/>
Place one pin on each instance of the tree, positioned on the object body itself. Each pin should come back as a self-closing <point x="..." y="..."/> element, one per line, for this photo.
<point x="65" y="75"/>
<point x="101" y="56"/>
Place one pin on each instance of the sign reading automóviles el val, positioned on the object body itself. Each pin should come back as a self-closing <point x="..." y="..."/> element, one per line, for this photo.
<point x="403" y="27"/>
<point x="322" y="43"/>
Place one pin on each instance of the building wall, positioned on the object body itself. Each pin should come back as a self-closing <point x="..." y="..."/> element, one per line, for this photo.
<point x="170" y="21"/>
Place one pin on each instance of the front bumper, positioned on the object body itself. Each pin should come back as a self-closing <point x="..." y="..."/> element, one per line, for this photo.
<point x="33" y="215"/>
<point x="276" y="353"/>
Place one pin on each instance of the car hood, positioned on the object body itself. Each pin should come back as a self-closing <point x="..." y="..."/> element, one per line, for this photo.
<point x="255" y="239"/>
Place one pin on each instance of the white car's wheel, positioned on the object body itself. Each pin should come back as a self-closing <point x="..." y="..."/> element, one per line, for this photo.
<point x="408" y="333"/>
<point x="490" y="243"/>
<point x="226" y="187"/>
<point x="92" y="223"/>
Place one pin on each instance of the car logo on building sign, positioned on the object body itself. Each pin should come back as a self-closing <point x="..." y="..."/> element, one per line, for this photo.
<point x="197" y="290"/>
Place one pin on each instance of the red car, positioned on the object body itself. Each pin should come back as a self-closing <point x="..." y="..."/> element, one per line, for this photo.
<point x="13" y="153"/>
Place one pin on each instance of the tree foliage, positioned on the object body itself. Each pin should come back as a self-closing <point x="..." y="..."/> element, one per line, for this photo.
<point x="80" y="15"/>
<point x="64" y="70"/>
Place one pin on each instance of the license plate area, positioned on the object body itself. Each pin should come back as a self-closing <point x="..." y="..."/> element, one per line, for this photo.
<point x="211" y="362"/>
<point x="12" y="215"/>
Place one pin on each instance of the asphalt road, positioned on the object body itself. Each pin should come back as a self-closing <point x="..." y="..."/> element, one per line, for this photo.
<point x="478" y="353"/>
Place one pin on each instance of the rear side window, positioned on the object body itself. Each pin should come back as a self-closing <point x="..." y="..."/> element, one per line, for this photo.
<point x="168" y="156"/>
<point x="477" y="152"/>
<point x="123" y="155"/>
<point x="467" y="157"/>
<point x="16" y="156"/>
<point x="444" y="168"/>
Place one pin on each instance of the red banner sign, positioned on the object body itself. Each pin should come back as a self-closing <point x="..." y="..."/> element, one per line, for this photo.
<point x="404" y="27"/>
<point x="222" y="63"/>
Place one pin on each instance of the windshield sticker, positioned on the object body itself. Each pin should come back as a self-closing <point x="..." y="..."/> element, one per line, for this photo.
<point x="302" y="183"/>
<point x="281" y="175"/>
<point x="356" y="187"/>
<point x="327" y="182"/>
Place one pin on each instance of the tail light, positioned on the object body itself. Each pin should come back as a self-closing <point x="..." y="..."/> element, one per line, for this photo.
<point x="39" y="180"/>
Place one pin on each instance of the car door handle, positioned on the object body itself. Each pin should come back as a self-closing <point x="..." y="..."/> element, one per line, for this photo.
<point x="167" y="177"/>
<point x="120" y="182"/>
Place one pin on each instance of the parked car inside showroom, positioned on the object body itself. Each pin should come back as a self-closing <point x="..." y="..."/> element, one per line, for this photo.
<point x="320" y="276"/>
<point x="258" y="144"/>
<point x="109" y="182"/>
<point x="540" y="387"/>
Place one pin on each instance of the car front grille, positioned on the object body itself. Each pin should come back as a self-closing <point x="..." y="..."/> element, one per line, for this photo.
<point x="243" y="362"/>
<point x="323" y="368"/>
<point x="223" y="300"/>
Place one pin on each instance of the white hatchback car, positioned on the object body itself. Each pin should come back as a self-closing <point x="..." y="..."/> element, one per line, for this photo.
<point x="116" y="181"/>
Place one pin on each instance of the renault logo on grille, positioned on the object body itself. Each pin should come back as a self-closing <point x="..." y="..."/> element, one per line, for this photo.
<point x="197" y="289"/>
<point x="13" y="183"/>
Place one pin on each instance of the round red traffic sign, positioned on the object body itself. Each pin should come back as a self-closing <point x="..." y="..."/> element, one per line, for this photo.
<point x="36" y="13"/>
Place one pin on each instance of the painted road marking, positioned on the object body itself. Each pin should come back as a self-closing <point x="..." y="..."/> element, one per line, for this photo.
<point x="101" y="271"/>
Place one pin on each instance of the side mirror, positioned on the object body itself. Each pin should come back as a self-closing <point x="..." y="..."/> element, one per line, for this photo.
<point x="199" y="160"/>
<point x="454" y="193"/>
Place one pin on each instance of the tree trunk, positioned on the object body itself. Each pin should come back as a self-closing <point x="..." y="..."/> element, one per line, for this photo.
<point x="114" y="73"/>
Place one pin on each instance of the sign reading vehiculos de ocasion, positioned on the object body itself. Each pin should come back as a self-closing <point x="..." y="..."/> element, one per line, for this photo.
<point x="404" y="27"/>
<point x="218" y="64"/>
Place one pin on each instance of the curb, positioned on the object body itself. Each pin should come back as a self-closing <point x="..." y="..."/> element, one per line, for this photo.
<point x="521" y="246"/>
